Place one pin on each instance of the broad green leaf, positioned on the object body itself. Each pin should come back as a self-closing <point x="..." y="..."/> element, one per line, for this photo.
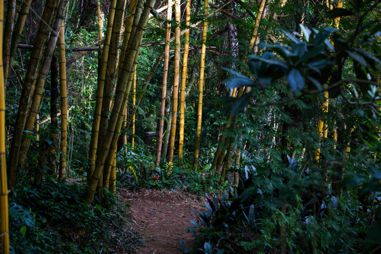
<point x="277" y="63"/>
<point x="358" y="58"/>
<point x="295" y="80"/>
<point x="368" y="55"/>
<point x="238" y="79"/>
<point x="306" y="32"/>
<point x="291" y="37"/>
<point x="316" y="83"/>
<point x="239" y="82"/>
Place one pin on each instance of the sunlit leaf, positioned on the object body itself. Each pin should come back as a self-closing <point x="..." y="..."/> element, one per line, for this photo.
<point x="306" y="32"/>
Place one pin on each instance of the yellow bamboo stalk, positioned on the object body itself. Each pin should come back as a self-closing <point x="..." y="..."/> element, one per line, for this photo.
<point x="201" y="84"/>
<point x="29" y="86"/>
<point x="107" y="171"/>
<point x="113" y="175"/>
<point x="121" y="95"/>
<point x="258" y="20"/>
<point x="64" y="101"/>
<point x="107" y="180"/>
<point x="111" y="66"/>
<point x="40" y="84"/>
<point x="125" y="124"/>
<point x="113" y="60"/>
<point x="322" y="123"/>
<point x="100" y="89"/>
<point x="133" y="10"/>
<point x="100" y="22"/>
<point x="133" y="129"/>
<point x="3" y="165"/>
<point x="184" y="79"/>
<point x="19" y="27"/>
<point x="176" y="82"/>
<point x="348" y="146"/>
<point x="164" y="84"/>
<point x="340" y="5"/>
<point x="335" y="137"/>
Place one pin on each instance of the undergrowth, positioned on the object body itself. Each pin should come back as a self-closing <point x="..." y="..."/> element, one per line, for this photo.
<point x="53" y="218"/>
<point x="139" y="172"/>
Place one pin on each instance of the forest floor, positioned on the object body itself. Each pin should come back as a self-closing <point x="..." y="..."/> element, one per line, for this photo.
<point x="162" y="217"/>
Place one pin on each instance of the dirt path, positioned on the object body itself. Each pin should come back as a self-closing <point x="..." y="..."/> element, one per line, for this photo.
<point x="162" y="217"/>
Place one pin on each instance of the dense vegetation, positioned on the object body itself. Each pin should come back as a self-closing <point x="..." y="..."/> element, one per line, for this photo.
<point x="270" y="109"/>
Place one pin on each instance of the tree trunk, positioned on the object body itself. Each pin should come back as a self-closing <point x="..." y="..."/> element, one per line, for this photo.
<point x="201" y="85"/>
<point x="176" y="82"/>
<point x="29" y="86"/>
<point x="121" y="95"/>
<point x="64" y="102"/>
<point x="4" y="223"/>
<point x="19" y="27"/>
<point x="110" y="67"/>
<point x="101" y="82"/>
<point x="184" y="79"/>
<point x="164" y="84"/>
<point x="133" y="129"/>
<point x="40" y="84"/>
<point x="53" y="116"/>
<point x="254" y="37"/>
<point x="9" y="26"/>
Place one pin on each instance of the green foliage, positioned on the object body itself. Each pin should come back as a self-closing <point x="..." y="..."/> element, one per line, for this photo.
<point x="291" y="205"/>
<point x="288" y="201"/>
<point x="53" y="218"/>
<point x="139" y="172"/>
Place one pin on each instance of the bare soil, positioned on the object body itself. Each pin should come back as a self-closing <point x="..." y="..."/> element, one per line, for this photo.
<point x="162" y="217"/>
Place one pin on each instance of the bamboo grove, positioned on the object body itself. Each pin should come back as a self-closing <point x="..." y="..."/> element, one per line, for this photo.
<point x="159" y="85"/>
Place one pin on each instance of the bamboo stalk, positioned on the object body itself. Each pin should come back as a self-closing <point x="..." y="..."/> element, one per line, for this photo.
<point x="40" y="84"/>
<point x="184" y="79"/>
<point x="201" y="85"/>
<point x="134" y="112"/>
<point x="9" y="26"/>
<point x="167" y="133"/>
<point x="64" y="102"/>
<point x="29" y="86"/>
<point x="254" y="38"/>
<point x="112" y="154"/>
<point x="53" y="130"/>
<point x="322" y="123"/>
<point x="129" y="30"/>
<point x="101" y="82"/>
<point x="113" y="175"/>
<point x="125" y="124"/>
<point x="121" y="95"/>
<point x="19" y="27"/>
<point x="176" y="81"/>
<point x="133" y="10"/>
<point x="4" y="223"/>
<point x="110" y="67"/>
<point x="99" y="22"/>
<point x="132" y="20"/>
<point x="113" y="60"/>
<point x="164" y="84"/>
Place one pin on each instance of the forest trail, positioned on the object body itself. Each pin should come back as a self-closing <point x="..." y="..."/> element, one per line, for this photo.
<point x="162" y="218"/>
